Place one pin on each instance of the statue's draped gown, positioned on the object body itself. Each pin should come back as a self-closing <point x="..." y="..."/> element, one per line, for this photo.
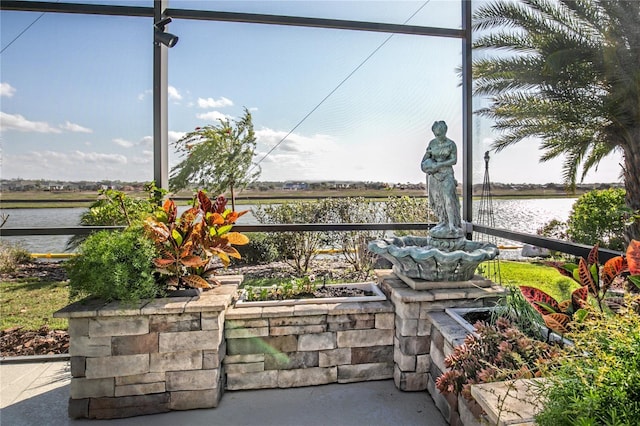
<point x="443" y="197"/>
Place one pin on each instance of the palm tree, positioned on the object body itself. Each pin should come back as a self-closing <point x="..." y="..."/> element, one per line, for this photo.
<point x="566" y="72"/>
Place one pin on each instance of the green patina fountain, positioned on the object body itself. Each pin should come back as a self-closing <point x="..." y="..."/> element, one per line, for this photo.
<point x="445" y="255"/>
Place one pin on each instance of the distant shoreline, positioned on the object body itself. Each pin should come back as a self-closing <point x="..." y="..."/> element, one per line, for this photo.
<point x="68" y="199"/>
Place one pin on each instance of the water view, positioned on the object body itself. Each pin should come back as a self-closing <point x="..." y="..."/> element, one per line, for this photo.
<point x="519" y="215"/>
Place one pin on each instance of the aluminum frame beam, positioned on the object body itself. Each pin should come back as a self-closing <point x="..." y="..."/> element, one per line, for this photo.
<point x="240" y="17"/>
<point x="160" y="103"/>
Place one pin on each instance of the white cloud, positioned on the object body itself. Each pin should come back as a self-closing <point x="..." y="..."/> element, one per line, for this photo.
<point x="174" y="136"/>
<point x="96" y="157"/>
<point x="144" y="94"/>
<point x="79" y="165"/>
<point x="146" y="141"/>
<point x="21" y="124"/>
<point x="143" y="160"/>
<point x="295" y="142"/>
<point x="123" y="142"/>
<point x="174" y="94"/>
<point x="213" y="116"/>
<point x="7" y="90"/>
<point x="298" y="156"/>
<point x="213" y="103"/>
<point x="75" y="128"/>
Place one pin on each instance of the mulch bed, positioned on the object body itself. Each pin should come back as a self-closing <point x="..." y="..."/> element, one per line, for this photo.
<point x="19" y="342"/>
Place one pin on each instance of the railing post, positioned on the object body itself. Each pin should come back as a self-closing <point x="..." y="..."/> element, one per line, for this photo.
<point x="467" y="117"/>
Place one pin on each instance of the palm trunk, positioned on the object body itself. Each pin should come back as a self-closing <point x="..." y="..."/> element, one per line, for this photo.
<point x="632" y="183"/>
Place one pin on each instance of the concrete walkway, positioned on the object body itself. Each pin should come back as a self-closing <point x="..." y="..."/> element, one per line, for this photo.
<point x="37" y="393"/>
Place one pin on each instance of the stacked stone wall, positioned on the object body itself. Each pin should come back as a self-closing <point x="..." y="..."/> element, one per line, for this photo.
<point x="157" y="356"/>
<point x="182" y="353"/>
<point x="304" y="345"/>
<point x="425" y="334"/>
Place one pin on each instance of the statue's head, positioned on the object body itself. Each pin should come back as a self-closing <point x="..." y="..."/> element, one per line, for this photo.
<point x="439" y="128"/>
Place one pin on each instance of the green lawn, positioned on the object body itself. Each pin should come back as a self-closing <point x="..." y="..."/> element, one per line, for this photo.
<point x="31" y="304"/>
<point x="539" y="276"/>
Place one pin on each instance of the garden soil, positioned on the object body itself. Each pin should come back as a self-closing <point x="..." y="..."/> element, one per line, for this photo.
<point x="17" y="341"/>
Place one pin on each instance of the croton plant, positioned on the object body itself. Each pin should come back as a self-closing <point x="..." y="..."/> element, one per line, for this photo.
<point x="194" y="245"/>
<point x="595" y="280"/>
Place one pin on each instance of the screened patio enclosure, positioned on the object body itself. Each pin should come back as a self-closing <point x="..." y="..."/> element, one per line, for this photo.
<point x="350" y="87"/>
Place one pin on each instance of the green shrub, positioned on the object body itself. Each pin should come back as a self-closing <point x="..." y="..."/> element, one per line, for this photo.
<point x="114" y="266"/>
<point x="261" y="249"/>
<point x="12" y="255"/>
<point x="409" y="209"/>
<point x="300" y="248"/>
<point x="113" y="208"/>
<point x="353" y="244"/>
<point x="597" y="381"/>
<point x="599" y="217"/>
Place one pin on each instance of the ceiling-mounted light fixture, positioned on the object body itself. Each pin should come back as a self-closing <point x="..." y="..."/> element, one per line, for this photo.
<point x="160" y="36"/>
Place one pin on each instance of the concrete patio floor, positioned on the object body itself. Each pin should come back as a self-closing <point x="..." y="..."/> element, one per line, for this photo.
<point x="37" y="393"/>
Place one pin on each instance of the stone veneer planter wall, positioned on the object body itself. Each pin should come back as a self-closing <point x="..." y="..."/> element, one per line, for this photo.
<point x="303" y="345"/>
<point x="425" y="335"/>
<point x="161" y="355"/>
<point x="182" y="353"/>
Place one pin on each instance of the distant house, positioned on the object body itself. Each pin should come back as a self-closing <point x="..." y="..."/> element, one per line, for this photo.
<point x="295" y="186"/>
<point x="338" y="185"/>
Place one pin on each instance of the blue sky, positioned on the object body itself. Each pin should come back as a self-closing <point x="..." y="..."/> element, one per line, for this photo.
<point x="76" y="93"/>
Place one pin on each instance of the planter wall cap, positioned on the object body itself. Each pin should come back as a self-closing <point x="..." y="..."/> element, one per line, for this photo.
<point x="244" y="313"/>
<point x="226" y="289"/>
<point x="166" y="305"/>
<point x="118" y="308"/>
<point x="230" y="279"/>
<point x="82" y="309"/>
<point x="209" y="303"/>
<point x="405" y="294"/>
<point x="356" y="308"/>
<point x="510" y="402"/>
<point x="451" y="330"/>
<point x="377" y="295"/>
<point x="277" y="311"/>
<point x="408" y="295"/>
<point x="313" y="309"/>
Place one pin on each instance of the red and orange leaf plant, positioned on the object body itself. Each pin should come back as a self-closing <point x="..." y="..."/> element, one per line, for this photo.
<point x="193" y="246"/>
<point x="558" y="315"/>
<point x="633" y="262"/>
<point x="596" y="277"/>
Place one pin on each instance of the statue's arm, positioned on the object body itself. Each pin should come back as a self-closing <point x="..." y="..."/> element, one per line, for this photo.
<point x="452" y="159"/>
<point x="427" y="162"/>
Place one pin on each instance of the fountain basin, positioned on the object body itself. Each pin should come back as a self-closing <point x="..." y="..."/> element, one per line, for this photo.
<point x="434" y="259"/>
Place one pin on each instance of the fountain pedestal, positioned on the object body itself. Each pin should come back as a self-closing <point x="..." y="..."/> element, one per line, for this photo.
<point x="477" y="281"/>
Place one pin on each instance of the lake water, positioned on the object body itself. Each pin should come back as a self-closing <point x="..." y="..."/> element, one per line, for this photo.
<point x="514" y="214"/>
